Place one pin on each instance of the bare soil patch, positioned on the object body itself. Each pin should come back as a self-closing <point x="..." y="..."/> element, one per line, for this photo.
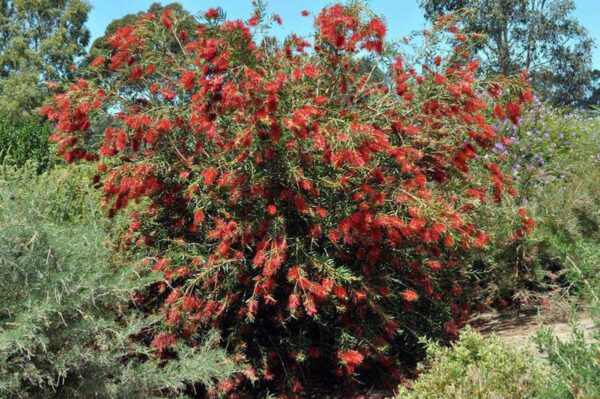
<point x="518" y="326"/>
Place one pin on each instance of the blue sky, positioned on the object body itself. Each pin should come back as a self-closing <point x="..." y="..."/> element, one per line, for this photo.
<point x="403" y="16"/>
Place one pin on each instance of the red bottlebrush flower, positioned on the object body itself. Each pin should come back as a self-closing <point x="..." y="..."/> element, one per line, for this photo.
<point x="526" y="96"/>
<point x="272" y="210"/>
<point x="52" y="86"/>
<point x="211" y="13"/>
<point x="190" y="303"/>
<point x="309" y="306"/>
<point x="498" y="112"/>
<point x="166" y="19"/>
<point x="187" y="80"/>
<point x="305" y="13"/>
<point x="97" y="62"/>
<point x="293" y="303"/>
<point x="297" y="387"/>
<point x="524" y="76"/>
<point x="198" y="217"/>
<point x="164" y="125"/>
<point x="351" y="359"/>
<point x="150" y="136"/>
<point x="121" y="142"/>
<point x="435" y="265"/>
<point x="209" y="176"/>
<point x="377" y="28"/>
<point x="183" y="35"/>
<point x="340" y="292"/>
<point x="476" y="194"/>
<point x="314" y="353"/>
<point x="163" y="341"/>
<point x="451" y="328"/>
<point x="410" y="295"/>
<point x="168" y="94"/>
<point x="294" y="273"/>
<point x="136" y="73"/>
<point x="437" y="60"/>
<point x="513" y="110"/>
<point x="277" y="19"/>
<point x="254" y="20"/>
<point x="184" y="174"/>
<point x="311" y="71"/>
<point x="481" y="239"/>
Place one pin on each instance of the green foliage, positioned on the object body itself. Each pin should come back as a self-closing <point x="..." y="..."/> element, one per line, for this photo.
<point x="23" y="140"/>
<point x="478" y="368"/>
<point x="542" y="37"/>
<point x="64" y="326"/>
<point x="576" y="360"/>
<point x="39" y="41"/>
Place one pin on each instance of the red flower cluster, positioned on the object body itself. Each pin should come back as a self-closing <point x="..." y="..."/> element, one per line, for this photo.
<point x="342" y="27"/>
<point x="308" y="212"/>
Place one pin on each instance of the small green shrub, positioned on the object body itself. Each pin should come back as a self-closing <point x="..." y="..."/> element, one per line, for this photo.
<point x="576" y="360"/>
<point x="26" y="139"/>
<point x="478" y="367"/>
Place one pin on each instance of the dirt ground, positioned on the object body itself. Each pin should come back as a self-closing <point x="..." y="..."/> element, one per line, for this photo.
<point x="518" y="326"/>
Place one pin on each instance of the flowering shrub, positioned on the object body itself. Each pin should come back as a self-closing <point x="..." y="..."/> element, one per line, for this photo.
<point x="314" y="217"/>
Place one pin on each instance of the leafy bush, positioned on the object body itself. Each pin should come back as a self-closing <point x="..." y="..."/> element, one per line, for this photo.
<point x="25" y="139"/>
<point x="317" y="219"/>
<point x="478" y="367"/>
<point x="64" y="331"/>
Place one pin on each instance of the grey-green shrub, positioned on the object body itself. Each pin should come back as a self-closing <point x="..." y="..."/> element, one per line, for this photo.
<point x="478" y="367"/>
<point x="64" y="326"/>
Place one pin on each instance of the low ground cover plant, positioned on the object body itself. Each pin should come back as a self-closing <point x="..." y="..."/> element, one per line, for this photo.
<point x="316" y="219"/>
<point x="481" y="368"/>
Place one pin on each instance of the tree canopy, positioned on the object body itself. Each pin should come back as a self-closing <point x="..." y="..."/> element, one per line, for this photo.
<point x="39" y="41"/>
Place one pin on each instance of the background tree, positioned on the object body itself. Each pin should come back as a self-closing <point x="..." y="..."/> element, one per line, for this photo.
<point x="541" y="36"/>
<point x="593" y="99"/>
<point x="39" y="41"/>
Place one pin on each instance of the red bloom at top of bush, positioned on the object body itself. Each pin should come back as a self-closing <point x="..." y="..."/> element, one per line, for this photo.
<point x="212" y="13"/>
<point x="295" y="200"/>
